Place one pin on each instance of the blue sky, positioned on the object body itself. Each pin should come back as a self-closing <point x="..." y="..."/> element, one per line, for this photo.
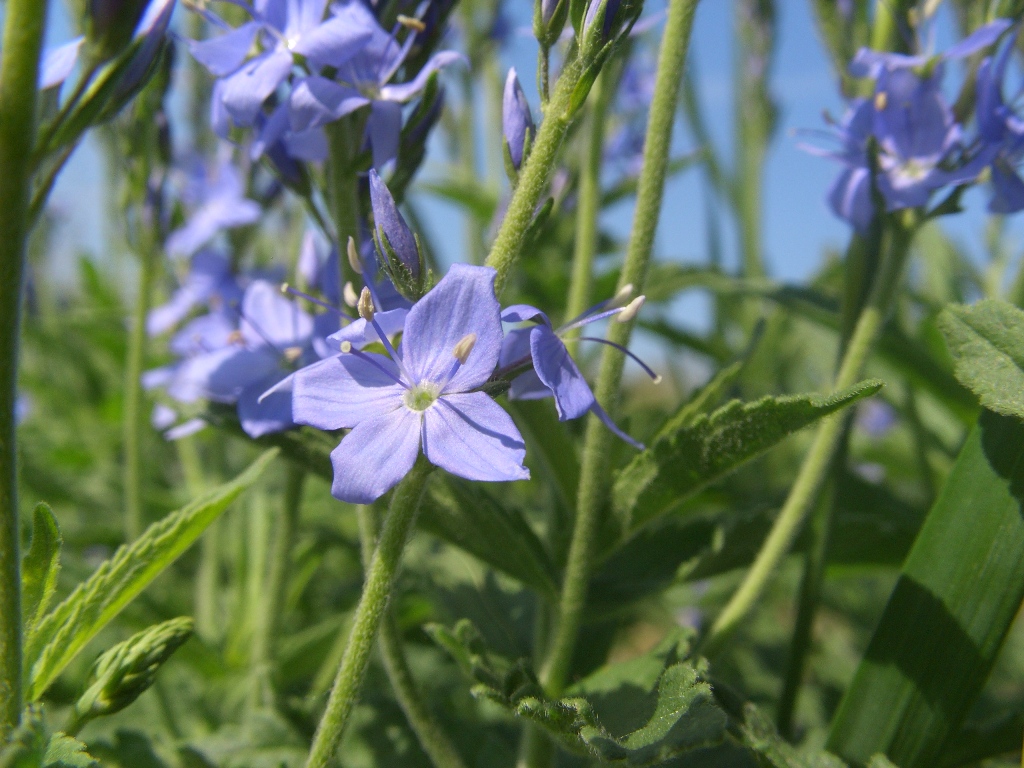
<point x="798" y="224"/>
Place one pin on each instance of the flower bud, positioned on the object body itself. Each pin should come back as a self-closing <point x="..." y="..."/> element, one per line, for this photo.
<point x="611" y="9"/>
<point x="548" y="20"/>
<point x="110" y="25"/>
<point x="123" y="673"/>
<point x="516" y="120"/>
<point x="399" y="252"/>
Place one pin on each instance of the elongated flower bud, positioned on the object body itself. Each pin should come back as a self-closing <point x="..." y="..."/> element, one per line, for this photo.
<point x="611" y="10"/>
<point x="516" y="120"/>
<point x="110" y="25"/>
<point x="391" y="229"/>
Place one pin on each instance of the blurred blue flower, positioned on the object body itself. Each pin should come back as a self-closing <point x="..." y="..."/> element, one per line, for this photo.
<point x="421" y="396"/>
<point x="554" y="372"/>
<point x="1002" y="130"/>
<point x="22" y="408"/>
<point x="219" y="203"/>
<point x="209" y="281"/>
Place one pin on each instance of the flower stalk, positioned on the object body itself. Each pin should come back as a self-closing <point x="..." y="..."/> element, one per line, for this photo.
<point x="380" y="579"/>
<point x="593" y="476"/>
<point x="813" y="472"/>
<point x="25" y="21"/>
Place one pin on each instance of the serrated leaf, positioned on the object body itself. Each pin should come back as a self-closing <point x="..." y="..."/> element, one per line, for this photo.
<point x="64" y="631"/>
<point x="684" y="460"/>
<point x="678" y="713"/>
<point x="987" y="344"/>
<point x="960" y="589"/>
<point x="30" y="747"/>
<point x="66" y="752"/>
<point x="40" y="566"/>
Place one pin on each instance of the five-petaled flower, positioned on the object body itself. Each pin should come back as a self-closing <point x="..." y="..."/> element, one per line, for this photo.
<point x="422" y="396"/>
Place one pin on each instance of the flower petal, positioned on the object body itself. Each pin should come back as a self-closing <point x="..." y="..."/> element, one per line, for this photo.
<point x="316" y="101"/>
<point x="406" y="91"/>
<point x="558" y="372"/>
<point x="264" y="415"/>
<point x="342" y="391"/>
<point x="268" y="318"/>
<point x="461" y="303"/>
<point x="359" y="333"/>
<point x="58" y="63"/>
<point x="224" y="54"/>
<point x="385" y="129"/>
<point x="245" y="91"/>
<point x="471" y="436"/>
<point x="374" y="456"/>
<point x="334" y="42"/>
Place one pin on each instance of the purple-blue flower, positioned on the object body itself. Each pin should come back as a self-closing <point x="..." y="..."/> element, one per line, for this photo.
<point x="421" y="397"/>
<point x="393" y="237"/>
<point x="554" y="373"/>
<point x="219" y="203"/>
<point x="1002" y="131"/>
<point x="516" y="120"/>
<point x="209" y="281"/>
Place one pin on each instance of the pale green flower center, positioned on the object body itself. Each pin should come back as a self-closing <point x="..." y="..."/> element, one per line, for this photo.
<point x="422" y="396"/>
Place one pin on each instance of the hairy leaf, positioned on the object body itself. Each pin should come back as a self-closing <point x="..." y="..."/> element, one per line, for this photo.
<point x="686" y="456"/>
<point x="40" y="566"/>
<point x="987" y="344"/>
<point x="674" y="715"/>
<point x="758" y="734"/>
<point x="64" y="631"/>
<point x="952" y="606"/>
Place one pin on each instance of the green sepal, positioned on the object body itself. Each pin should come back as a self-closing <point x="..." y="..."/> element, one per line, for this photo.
<point x="40" y="566"/>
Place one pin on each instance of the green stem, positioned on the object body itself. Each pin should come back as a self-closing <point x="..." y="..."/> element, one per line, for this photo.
<point x="135" y="419"/>
<point x="19" y="69"/>
<point x="589" y="206"/>
<point x="373" y="602"/>
<point x="813" y="471"/>
<point x="534" y="175"/>
<point x="343" y="139"/>
<point x="276" y="585"/>
<point x="890" y="19"/>
<point x="431" y="735"/>
<point x="592" y="494"/>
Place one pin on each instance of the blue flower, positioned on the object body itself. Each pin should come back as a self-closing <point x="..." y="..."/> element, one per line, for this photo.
<point x="554" y="372"/>
<point x="221" y="204"/>
<point x="1002" y="131"/>
<point x="365" y="79"/>
<point x="420" y="397"/>
<point x="209" y="281"/>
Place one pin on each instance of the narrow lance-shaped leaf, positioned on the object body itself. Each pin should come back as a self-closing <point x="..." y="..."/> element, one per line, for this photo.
<point x="958" y="594"/>
<point x="987" y="344"/>
<point x="64" y="631"/>
<point x="689" y="454"/>
<point x="40" y="566"/>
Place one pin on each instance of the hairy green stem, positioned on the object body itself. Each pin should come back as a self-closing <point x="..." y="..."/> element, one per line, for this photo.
<point x="343" y="140"/>
<point x="811" y="476"/>
<point x="534" y="176"/>
<point x="373" y="602"/>
<point x="429" y="733"/>
<point x="594" y="472"/>
<point x="135" y="420"/>
<point x="19" y="70"/>
<point x="589" y="206"/>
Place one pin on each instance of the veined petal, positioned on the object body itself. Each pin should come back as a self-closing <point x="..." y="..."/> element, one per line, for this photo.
<point x="359" y="333"/>
<point x="558" y="372"/>
<point x="515" y="347"/>
<point x="224" y="54"/>
<point x="245" y="91"/>
<point x="270" y="318"/>
<point x="375" y="455"/>
<point x="471" y="436"/>
<point x="333" y="43"/>
<point x="265" y="415"/>
<point x="224" y="374"/>
<point x="343" y="391"/>
<point x="520" y="313"/>
<point x="461" y="303"/>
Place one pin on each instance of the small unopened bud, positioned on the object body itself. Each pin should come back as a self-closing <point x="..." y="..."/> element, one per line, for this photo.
<point x="611" y="9"/>
<point x="350" y="295"/>
<point x="516" y="119"/>
<point x="464" y="347"/>
<point x="122" y="673"/>
<point x="393" y="235"/>
<point x="629" y="311"/>
<point x="365" y="305"/>
<point x="411" y="23"/>
<point x="881" y="100"/>
<point x="346" y="347"/>
<point x="353" y="256"/>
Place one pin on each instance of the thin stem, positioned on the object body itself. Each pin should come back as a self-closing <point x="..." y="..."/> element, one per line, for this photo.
<point x="594" y="472"/>
<point x="534" y="175"/>
<point x="276" y="584"/>
<point x="589" y="205"/>
<point x="380" y="579"/>
<point x="344" y="137"/>
<point x="135" y="421"/>
<point x="811" y="476"/>
<point x="19" y="69"/>
<point x="431" y="735"/>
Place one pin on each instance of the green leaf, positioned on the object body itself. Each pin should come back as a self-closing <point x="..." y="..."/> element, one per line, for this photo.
<point x="30" y="747"/>
<point x="987" y="344"/>
<point x="469" y="517"/>
<point x="946" y="619"/>
<point x="66" y="752"/>
<point x="687" y="455"/>
<point x="40" y="566"/>
<point x="64" y="631"/>
<point x="669" y="712"/>
<point x="758" y="734"/>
